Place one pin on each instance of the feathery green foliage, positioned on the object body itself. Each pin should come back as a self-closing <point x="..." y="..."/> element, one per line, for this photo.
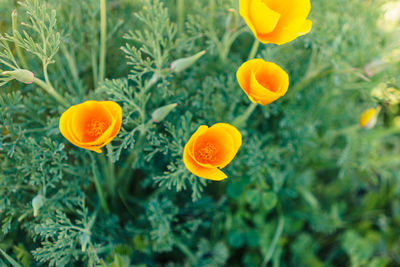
<point x="308" y="187"/>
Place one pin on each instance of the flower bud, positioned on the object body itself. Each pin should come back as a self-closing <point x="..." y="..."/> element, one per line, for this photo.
<point x="369" y="118"/>
<point x="184" y="63"/>
<point x="21" y="75"/>
<point x="37" y="203"/>
<point x="160" y="113"/>
<point x="84" y="239"/>
<point x="232" y="20"/>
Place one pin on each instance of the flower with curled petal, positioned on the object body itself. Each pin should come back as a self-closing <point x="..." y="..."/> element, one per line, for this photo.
<point x="211" y="149"/>
<point x="92" y="124"/>
<point x="276" y="21"/>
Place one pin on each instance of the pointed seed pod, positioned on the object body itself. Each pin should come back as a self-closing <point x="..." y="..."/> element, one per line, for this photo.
<point x="37" y="203"/>
<point x="160" y="113"/>
<point x="21" y="75"/>
<point x="181" y="64"/>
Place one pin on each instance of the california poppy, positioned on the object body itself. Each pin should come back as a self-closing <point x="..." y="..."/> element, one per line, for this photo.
<point x="263" y="82"/>
<point x="211" y="149"/>
<point x="92" y="124"/>
<point x="276" y="21"/>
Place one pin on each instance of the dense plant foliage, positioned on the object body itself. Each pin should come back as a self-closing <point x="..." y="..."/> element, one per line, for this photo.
<point x="309" y="186"/>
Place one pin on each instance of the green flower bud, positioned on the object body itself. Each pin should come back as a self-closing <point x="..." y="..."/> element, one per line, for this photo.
<point x="24" y="76"/>
<point x="160" y="113"/>
<point x="184" y="63"/>
<point x="84" y="239"/>
<point x="37" y="203"/>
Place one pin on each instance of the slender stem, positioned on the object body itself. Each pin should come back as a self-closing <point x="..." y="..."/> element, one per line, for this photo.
<point x="99" y="189"/>
<point x="49" y="89"/>
<point x="211" y="9"/>
<point x="239" y="121"/>
<point x="103" y="39"/>
<point x="306" y="81"/>
<point x="20" y="53"/>
<point x="180" y="10"/>
<point x="72" y="66"/>
<point x="108" y="174"/>
<point x="277" y="236"/>
<point x="254" y="49"/>
<point x="132" y="156"/>
<point x="95" y="69"/>
<point x="184" y="248"/>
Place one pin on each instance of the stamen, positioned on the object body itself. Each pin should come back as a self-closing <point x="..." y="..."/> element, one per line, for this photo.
<point x="207" y="153"/>
<point x="96" y="128"/>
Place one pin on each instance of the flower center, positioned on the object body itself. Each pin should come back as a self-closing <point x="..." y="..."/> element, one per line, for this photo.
<point x="96" y="128"/>
<point x="207" y="153"/>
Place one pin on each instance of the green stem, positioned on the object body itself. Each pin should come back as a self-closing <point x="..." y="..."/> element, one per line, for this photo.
<point x="305" y="82"/>
<point x="254" y="49"/>
<point x="99" y="189"/>
<point x="49" y="89"/>
<point x="277" y="236"/>
<point x="211" y="7"/>
<point x="95" y="68"/>
<point x="108" y="174"/>
<point x="71" y="64"/>
<point x="180" y="10"/>
<point x="103" y="39"/>
<point x="20" y="53"/>
<point x="239" y="121"/>
<point x="183" y="247"/>
<point x="132" y="156"/>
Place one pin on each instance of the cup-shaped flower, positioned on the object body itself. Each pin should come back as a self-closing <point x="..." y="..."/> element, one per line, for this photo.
<point x="262" y="81"/>
<point x="369" y="118"/>
<point x="276" y="21"/>
<point x="211" y="149"/>
<point x="92" y="124"/>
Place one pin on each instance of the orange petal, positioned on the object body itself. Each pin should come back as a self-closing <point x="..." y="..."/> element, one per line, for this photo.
<point x="221" y="140"/>
<point x="207" y="173"/>
<point x="288" y="34"/>
<point x="232" y="131"/>
<point x="193" y="138"/>
<point x="263" y="19"/>
<point x="87" y="111"/>
<point x="261" y="94"/>
<point x="244" y="72"/>
<point x="291" y="11"/>
<point x="116" y="112"/>
<point x="73" y="123"/>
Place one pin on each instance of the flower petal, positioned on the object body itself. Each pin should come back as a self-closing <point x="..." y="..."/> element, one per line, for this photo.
<point x="221" y="141"/>
<point x="207" y="173"/>
<point x="262" y="17"/>
<point x="232" y="131"/>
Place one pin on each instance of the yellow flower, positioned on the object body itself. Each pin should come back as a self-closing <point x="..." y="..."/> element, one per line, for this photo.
<point x="92" y="124"/>
<point x="276" y="21"/>
<point x="211" y="149"/>
<point x="263" y="82"/>
<point x="369" y="118"/>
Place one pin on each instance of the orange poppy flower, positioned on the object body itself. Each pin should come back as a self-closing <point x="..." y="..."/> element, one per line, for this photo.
<point x="211" y="149"/>
<point x="92" y="124"/>
<point x="263" y="82"/>
<point x="276" y="21"/>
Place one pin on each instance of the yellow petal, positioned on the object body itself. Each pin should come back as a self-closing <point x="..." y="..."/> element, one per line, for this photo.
<point x="206" y="173"/>
<point x="262" y="17"/>
<point x="223" y="143"/>
<point x="232" y="131"/>
<point x="284" y="35"/>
